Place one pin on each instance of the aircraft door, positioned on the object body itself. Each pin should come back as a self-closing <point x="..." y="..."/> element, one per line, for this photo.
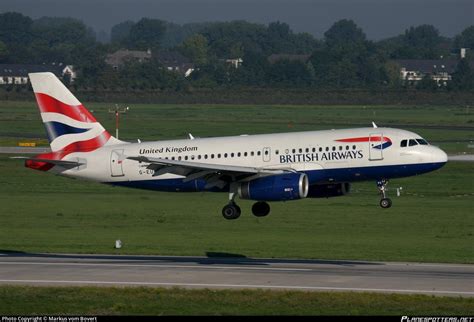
<point x="116" y="168"/>
<point x="375" y="146"/>
<point x="266" y="154"/>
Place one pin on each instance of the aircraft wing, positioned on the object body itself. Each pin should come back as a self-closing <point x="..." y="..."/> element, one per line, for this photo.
<point x="215" y="174"/>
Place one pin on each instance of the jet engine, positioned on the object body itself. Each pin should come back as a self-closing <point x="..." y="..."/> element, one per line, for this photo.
<point x="288" y="186"/>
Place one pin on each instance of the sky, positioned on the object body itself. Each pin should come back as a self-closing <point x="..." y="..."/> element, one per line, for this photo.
<point x="378" y="18"/>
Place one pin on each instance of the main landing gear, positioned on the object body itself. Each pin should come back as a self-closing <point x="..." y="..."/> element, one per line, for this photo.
<point x="384" y="201"/>
<point x="232" y="211"/>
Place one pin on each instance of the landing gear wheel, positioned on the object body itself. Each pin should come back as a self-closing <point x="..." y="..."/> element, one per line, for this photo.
<point x="386" y="203"/>
<point x="260" y="209"/>
<point x="231" y="211"/>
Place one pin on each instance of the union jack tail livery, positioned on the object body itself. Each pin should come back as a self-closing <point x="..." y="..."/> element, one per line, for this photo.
<point x="69" y="125"/>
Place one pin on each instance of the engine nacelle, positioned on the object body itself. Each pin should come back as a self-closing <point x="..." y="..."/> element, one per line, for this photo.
<point x="329" y="190"/>
<point x="288" y="186"/>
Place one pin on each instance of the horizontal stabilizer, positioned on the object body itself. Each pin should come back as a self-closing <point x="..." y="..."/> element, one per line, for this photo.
<point x="63" y="163"/>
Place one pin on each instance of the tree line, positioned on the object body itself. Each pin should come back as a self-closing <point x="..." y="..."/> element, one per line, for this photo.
<point x="343" y="59"/>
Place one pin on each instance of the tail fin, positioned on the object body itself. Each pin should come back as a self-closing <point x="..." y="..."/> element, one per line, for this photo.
<point x="70" y="126"/>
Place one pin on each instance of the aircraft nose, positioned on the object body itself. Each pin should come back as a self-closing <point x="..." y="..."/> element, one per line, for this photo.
<point x="439" y="156"/>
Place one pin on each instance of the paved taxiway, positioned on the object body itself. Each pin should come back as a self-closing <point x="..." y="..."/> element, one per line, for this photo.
<point x="236" y="272"/>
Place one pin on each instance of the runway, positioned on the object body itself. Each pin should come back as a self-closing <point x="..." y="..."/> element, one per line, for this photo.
<point x="236" y="272"/>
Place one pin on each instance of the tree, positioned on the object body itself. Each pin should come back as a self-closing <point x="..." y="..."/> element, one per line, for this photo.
<point x="344" y="32"/>
<point x="465" y="39"/>
<point x="120" y="33"/>
<point x="58" y="39"/>
<point x="347" y="59"/>
<point x="421" y="42"/>
<point x="196" y="48"/>
<point x="15" y="28"/>
<point x="3" y="51"/>
<point x="146" y="34"/>
<point x="463" y="76"/>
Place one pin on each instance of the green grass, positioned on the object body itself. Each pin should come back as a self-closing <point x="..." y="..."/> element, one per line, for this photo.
<point x="433" y="221"/>
<point x="21" y="120"/>
<point x="19" y="300"/>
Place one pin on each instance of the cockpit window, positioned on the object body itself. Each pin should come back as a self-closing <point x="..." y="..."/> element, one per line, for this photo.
<point x="412" y="142"/>
<point x="403" y="144"/>
<point x="421" y="141"/>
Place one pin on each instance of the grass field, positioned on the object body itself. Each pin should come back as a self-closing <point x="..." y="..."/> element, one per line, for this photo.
<point x="16" y="300"/>
<point x="433" y="221"/>
<point x="450" y="127"/>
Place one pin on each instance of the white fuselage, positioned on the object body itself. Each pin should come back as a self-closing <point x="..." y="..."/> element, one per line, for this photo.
<point x="325" y="156"/>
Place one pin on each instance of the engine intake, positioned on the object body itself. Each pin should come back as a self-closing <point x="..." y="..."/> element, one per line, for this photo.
<point x="329" y="190"/>
<point x="288" y="186"/>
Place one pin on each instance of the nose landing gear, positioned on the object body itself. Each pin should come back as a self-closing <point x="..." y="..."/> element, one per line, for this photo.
<point x="384" y="201"/>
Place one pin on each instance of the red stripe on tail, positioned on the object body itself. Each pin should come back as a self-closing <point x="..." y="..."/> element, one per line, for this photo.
<point x="80" y="146"/>
<point x="50" y="104"/>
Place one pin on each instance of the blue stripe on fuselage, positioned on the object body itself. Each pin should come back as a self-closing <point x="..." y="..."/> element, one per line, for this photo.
<point x="315" y="177"/>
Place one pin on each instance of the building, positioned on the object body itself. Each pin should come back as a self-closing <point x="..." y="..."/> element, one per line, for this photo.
<point x="17" y="74"/>
<point x="234" y="62"/>
<point x="121" y="56"/>
<point x="439" y="70"/>
<point x="174" y="61"/>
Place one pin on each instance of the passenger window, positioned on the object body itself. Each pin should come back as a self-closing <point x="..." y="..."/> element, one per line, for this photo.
<point x="300" y="150"/>
<point x="218" y="155"/>
<point x="314" y="150"/>
<point x="353" y="147"/>
<point x="307" y="150"/>
<point x="252" y="153"/>
<point x="334" y="148"/>
<point x="403" y="144"/>
<point x="347" y="147"/>
<point x="225" y="155"/>
<point x="245" y="154"/>
<point x="186" y="157"/>
<point x="276" y="152"/>
<point x="340" y="148"/>
<point x="412" y="142"/>
<point x="232" y="155"/>
<point x="212" y="156"/>
<point x="259" y="153"/>
<point x="293" y="151"/>
<point x="327" y="148"/>
<point x="320" y="149"/>
<point x="205" y="156"/>
<point x="239" y="154"/>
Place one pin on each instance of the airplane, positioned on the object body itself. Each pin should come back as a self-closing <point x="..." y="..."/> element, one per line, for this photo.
<point x="263" y="168"/>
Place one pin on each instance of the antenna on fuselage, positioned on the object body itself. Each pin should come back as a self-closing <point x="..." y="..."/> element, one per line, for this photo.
<point x="191" y="137"/>
<point x="374" y="125"/>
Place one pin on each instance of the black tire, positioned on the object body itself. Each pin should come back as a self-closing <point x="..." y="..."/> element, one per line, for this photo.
<point x="231" y="211"/>
<point x="260" y="209"/>
<point x="385" y="203"/>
